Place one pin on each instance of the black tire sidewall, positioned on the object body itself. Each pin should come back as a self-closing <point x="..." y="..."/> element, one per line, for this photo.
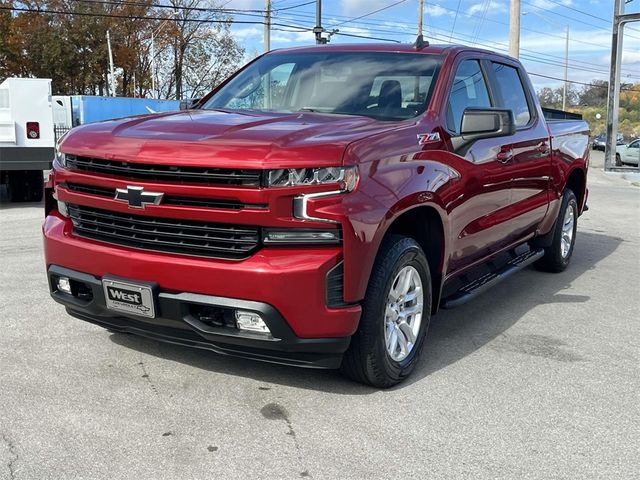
<point x="568" y="201"/>
<point x="403" y="253"/>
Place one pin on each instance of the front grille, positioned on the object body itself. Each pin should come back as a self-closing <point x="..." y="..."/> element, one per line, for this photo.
<point x="166" y="173"/>
<point x="186" y="237"/>
<point x="172" y="199"/>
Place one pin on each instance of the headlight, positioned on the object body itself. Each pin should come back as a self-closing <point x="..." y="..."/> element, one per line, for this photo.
<point x="59" y="156"/>
<point x="345" y="177"/>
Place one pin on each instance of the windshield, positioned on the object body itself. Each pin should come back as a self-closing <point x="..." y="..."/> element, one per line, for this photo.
<point x="385" y="86"/>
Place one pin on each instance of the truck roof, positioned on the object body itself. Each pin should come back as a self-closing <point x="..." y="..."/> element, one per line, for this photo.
<point x="388" y="47"/>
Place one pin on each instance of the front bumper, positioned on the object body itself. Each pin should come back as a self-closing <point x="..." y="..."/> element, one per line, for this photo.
<point x="176" y="323"/>
<point x="292" y="282"/>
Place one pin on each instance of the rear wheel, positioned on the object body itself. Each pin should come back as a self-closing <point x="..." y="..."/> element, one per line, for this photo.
<point x="395" y="316"/>
<point x="558" y="255"/>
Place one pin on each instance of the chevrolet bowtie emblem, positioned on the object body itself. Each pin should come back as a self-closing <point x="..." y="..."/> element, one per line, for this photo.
<point x="136" y="197"/>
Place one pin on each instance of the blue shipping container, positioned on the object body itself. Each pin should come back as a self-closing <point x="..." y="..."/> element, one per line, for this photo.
<point x="90" y="109"/>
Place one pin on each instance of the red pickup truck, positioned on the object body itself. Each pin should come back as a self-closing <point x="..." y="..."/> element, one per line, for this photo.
<point x="318" y="207"/>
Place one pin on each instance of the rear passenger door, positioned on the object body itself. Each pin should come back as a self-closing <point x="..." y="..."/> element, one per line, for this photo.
<point x="525" y="155"/>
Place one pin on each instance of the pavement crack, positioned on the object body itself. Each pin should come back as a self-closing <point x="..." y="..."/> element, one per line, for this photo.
<point x="13" y="456"/>
<point x="145" y="375"/>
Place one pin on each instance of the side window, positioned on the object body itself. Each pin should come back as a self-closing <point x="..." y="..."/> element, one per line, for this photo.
<point x="635" y="144"/>
<point x="512" y="93"/>
<point x="469" y="90"/>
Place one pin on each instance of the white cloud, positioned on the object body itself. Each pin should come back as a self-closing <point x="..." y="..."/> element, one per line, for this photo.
<point x="547" y="5"/>
<point x="360" y="7"/>
<point x="493" y="7"/>
<point x="436" y="11"/>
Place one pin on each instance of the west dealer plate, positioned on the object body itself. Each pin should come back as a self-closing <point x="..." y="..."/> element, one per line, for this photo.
<point x="128" y="297"/>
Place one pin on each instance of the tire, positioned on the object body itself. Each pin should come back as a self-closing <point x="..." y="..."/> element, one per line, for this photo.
<point x="26" y="186"/>
<point x="556" y="259"/>
<point x="35" y="186"/>
<point x="17" y="186"/>
<point x="618" y="160"/>
<point x="368" y="359"/>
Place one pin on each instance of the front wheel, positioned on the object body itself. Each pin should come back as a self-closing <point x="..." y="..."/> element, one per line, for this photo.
<point x="395" y="316"/>
<point x="558" y="255"/>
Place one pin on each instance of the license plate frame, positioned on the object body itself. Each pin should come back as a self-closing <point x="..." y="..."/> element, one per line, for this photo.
<point x="132" y="298"/>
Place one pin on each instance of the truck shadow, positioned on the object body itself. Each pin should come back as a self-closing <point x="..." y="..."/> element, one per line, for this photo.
<point x="453" y="334"/>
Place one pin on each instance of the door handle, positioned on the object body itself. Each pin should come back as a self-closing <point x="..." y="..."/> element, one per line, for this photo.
<point x="505" y="156"/>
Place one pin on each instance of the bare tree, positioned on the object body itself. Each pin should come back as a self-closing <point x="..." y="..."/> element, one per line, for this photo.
<point x="199" y="47"/>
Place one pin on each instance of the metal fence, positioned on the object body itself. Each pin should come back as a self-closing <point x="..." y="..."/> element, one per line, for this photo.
<point x="59" y="131"/>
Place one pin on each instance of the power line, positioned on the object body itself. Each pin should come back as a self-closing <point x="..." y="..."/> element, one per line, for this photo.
<point x="296" y="28"/>
<point x="170" y="7"/>
<point x="132" y="17"/>
<point x="574" y="65"/>
<point x="572" y="18"/>
<point x="281" y="9"/>
<point x="455" y="18"/>
<point x="577" y="10"/>
<point x="480" y="24"/>
<point x="370" y="13"/>
<point x="193" y="20"/>
<point x="627" y="89"/>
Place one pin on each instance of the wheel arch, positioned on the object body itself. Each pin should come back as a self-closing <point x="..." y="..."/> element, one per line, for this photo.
<point x="424" y="224"/>
<point x="577" y="182"/>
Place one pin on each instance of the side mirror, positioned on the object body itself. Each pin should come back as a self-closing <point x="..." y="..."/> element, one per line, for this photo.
<point x="478" y="123"/>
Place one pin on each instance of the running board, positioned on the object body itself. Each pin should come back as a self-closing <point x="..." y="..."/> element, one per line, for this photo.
<point x="480" y="285"/>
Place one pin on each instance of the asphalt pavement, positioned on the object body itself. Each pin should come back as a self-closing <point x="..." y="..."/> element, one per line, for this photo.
<point x="538" y="378"/>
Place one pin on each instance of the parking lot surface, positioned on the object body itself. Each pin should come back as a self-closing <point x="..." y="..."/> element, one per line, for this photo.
<point x="538" y="378"/>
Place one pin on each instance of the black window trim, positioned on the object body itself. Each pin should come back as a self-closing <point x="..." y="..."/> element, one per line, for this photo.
<point x="533" y="112"/>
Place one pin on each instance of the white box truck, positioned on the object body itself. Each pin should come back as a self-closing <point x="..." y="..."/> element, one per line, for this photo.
<point x="27" y="142"/>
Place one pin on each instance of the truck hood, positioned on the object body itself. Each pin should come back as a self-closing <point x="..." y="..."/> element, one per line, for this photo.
<point x="238" y="139"/>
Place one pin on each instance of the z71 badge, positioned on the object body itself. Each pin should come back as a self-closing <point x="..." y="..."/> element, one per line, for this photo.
<point x="424" y="138"/>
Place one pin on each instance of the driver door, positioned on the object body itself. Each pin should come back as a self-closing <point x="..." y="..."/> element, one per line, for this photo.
<point x="485" y="189"/>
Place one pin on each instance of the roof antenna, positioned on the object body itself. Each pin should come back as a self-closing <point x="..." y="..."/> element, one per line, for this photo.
<point x="420" y="43"/>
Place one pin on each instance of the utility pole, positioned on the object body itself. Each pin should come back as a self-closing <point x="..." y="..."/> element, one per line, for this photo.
<point x="514" y="29"/>
<point x="420" y="15"/>
<point x="318" y="28"/>
<point x="113" y="78"/>
<point x="267" y="25"/>
<point x="620" y="19"/>
<point x="566" y="71"/>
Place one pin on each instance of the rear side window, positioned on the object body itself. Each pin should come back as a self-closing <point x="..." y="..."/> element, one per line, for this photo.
<point x="469" y="90"/>
<point x="512" y="93"/>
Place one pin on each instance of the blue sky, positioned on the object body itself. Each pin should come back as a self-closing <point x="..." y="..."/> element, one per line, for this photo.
<point x="480" y="22"/>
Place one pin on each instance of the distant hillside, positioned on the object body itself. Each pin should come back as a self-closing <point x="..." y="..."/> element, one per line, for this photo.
<point x="591" y="100"/>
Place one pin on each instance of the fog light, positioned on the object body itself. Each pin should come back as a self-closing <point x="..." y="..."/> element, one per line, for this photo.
<point x="62" y="208"/>
<point x="251" y="321"/>
<point x="64" y="285"/>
